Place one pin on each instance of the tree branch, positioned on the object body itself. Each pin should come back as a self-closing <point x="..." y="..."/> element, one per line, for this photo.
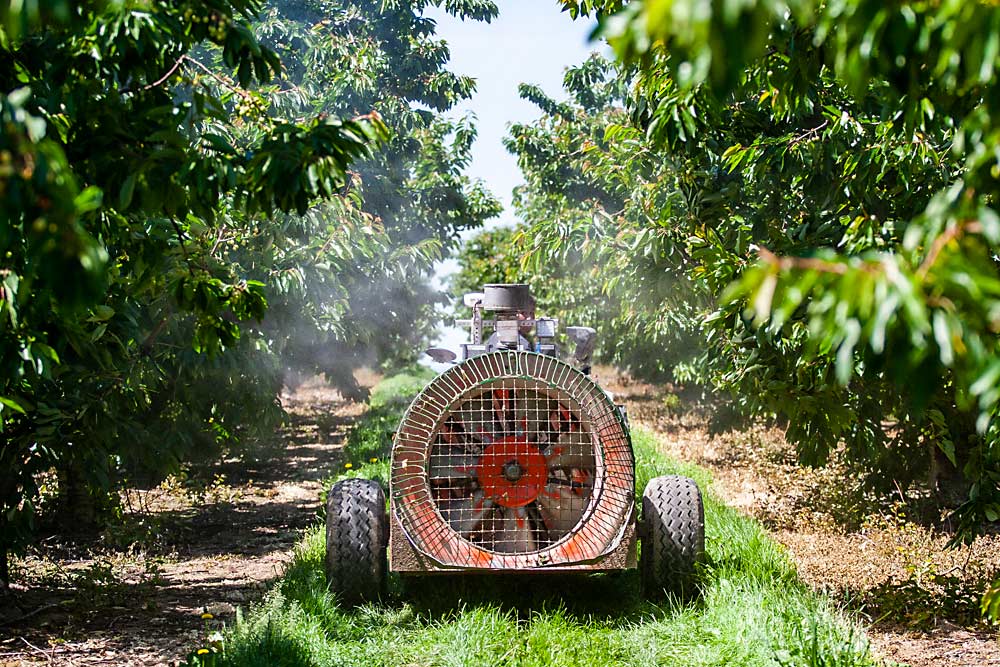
<point x="227" y="84"/>
<point x="949" y="235"/>
<point x="165" y="76"/>
<point x="147" y="344"/>
<point x="812" y="264"/>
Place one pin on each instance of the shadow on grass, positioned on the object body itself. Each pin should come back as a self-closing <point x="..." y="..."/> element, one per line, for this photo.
<point x="613" y="599"/>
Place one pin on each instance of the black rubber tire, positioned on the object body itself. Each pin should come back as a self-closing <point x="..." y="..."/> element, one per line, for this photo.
<point x="674" y="536"/>
<point x="356" y="535"/>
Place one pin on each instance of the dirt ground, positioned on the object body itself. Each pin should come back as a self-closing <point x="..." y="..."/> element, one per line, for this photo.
<point x="918" y="599"/>
<point x="193" y="550"/>
<point x="204" y="547"/>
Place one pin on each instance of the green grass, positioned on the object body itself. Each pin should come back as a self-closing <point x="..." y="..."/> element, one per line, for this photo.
<point x="398" y="390"/>
<point x="753" y="609"/>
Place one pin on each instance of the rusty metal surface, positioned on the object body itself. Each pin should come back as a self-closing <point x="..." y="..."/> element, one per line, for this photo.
<point x="405" y="559"/>
<point x="512" y="461"/>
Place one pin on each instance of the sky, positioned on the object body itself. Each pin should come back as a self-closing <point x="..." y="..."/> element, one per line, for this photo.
<point x="532" y="41"/>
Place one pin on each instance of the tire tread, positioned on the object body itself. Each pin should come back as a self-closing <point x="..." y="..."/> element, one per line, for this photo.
<point x="355" y="541"/>
<point x="674" y="543"/>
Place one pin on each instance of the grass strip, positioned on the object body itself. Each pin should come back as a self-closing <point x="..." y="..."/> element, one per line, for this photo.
<point x="753" y="610"/>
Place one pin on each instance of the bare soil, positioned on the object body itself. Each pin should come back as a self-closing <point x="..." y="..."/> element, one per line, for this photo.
<point x="189" y="553"/>
<point x="918" y="599"/>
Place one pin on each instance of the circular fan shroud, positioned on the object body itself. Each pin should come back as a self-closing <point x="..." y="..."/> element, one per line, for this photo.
<point x="466" y="485"/>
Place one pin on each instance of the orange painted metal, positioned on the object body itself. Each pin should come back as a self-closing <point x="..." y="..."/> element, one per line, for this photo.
<point x="496" y="460"/>
<point x="582" y="414"/>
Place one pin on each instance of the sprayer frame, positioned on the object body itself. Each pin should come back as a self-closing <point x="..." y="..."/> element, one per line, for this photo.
<point x="406" y="556"/>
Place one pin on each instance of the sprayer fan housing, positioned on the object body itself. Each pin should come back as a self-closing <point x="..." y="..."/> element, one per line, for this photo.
<point x="511" y="461"/>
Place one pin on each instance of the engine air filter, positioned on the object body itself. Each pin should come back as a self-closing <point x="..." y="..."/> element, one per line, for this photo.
<point x="512" y="460"/>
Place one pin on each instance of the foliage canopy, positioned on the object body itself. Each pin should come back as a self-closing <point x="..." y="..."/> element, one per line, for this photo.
<point x="196" y="195"/>
<point x="796" y="200"/>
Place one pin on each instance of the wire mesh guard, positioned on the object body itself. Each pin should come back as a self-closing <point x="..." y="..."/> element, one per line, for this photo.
<point x="512" y="460"/>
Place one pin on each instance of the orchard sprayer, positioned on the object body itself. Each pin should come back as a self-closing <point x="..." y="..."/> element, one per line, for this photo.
<point x="513" y="460"/>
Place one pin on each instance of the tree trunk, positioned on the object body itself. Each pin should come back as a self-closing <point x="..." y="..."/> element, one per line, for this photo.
<point x="77" y="508"/>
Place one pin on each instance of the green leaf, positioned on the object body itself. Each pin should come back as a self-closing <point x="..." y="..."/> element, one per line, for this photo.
<point x="44" y="350"/>
<point x="89" y="199"/>
<point x="12" y="404"/>
<point x="98" y="331"/>
<point x="942" y="335"/>
<point x="845" y="353"/>
<point x="125" y="194"/>
<point x="987" y="380"/>
<point x="219" y="143"/>
<point x="102" y="313"/>
<point x="948" y="448"/>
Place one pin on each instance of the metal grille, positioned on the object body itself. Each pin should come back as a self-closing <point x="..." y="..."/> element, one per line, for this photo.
<point x="512" y="460"/>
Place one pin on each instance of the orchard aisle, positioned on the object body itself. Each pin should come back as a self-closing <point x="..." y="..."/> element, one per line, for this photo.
<point x="217" y="544"/>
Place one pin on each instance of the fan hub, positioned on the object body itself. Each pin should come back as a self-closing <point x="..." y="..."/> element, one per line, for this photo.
<point x="512" y="472"/>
